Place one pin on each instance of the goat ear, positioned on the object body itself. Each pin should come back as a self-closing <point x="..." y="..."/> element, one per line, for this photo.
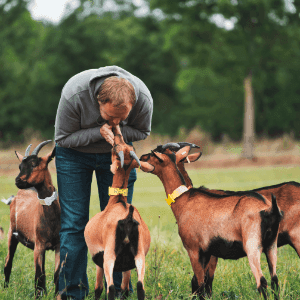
<point x="49" y="156"/>
<point x="146" y="167"/>
<point x="19" y="156"/>
<point x="158" y="155"/>
<point x="192" y="157"/>
<point x="182" y="153"/>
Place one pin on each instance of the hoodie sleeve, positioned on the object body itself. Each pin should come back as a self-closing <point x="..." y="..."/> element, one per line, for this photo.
<point x="68" y="132"/>
<point x="139" y="127"/>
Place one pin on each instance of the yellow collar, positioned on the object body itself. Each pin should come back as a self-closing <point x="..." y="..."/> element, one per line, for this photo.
<point x="180" y="190"/>
<point x="117" y="191"/>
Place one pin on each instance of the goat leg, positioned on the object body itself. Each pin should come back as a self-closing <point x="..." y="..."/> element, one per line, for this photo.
<point x="57" y="268"/>
<point x="198" y="280"/>
<point x="140" y="268"/>
<point x="271" y="254"/>
<point x="99" y="282"/>
<point x="253" y="253"/>
<point x="12" y="246"/>
<point x="109" y="259"/>
<point x="125" y="284"/>
<point x="40" y="276"/>
<point x="209" y="275"/>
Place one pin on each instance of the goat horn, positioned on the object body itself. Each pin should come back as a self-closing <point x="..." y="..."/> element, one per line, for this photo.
<point x="183" y="144"/>
<point x="170" y="145"/>
<point x="133" y="154"/>
<point x="39" y="147"/>
<point x="28" y="150"/>
<point x="121" y="155"/>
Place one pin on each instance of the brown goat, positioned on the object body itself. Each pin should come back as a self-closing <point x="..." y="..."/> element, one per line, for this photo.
<point x="229" y="227"/>
<point x="288" y="198"/>
<point x="34" y="216"/>
<point x="118" y="238"/>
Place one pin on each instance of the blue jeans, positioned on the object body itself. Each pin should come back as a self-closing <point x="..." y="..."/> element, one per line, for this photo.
<point x="74" y="178"/>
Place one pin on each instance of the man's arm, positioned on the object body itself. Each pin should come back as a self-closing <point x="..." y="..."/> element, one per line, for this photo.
<point x="68" y="132"/>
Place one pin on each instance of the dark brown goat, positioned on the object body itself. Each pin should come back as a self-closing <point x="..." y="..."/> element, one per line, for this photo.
<point x="229" y="227"/>
<point x="118" y="238"/>
<point x="34" y="216"/>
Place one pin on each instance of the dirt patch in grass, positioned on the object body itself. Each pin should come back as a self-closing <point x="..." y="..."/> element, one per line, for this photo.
<point x="228" y="154"/>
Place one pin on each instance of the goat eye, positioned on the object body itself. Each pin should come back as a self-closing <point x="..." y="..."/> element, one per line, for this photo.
<point x="33" y="164"/>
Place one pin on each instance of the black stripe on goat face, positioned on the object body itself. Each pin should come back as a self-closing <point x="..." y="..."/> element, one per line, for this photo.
<point x="26" y="167"/>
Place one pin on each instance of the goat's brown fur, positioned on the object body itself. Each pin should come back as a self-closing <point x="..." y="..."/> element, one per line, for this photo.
<point x="208" y="223"/>
<point x="34" y="225"/>
<point x="101" y="231"/>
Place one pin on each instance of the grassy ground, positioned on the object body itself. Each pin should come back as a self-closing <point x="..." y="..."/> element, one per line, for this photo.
<point x="168" y="270"/>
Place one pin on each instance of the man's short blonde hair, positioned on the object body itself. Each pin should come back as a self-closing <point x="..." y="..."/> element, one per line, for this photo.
<point x="117" y="91"/>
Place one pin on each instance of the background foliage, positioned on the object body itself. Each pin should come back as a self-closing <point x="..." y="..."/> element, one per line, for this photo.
<point x="193" y="68"/>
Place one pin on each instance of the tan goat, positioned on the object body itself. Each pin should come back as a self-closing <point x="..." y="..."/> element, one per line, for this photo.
<point x="118" y="238"/>
<point x="229" y="227"/>
<point x="34" y="216"/>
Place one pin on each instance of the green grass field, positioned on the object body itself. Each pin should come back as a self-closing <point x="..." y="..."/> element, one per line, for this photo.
<point x="168" y="270"/>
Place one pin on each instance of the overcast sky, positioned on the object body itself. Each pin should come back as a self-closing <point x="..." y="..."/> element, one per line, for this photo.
<point x="53" y="10"/>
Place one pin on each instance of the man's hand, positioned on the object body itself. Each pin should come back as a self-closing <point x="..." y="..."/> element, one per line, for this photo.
<point x="106" y="132"/>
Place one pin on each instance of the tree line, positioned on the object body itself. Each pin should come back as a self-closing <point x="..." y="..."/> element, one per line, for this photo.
<point x="194" y="68"/>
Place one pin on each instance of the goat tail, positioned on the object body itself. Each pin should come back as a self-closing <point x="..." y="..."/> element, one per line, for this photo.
<point x="129" y="216"/>
<point x="8" y="201"/>
<point x="270" y="223"/>
<point x="275" y="211"/>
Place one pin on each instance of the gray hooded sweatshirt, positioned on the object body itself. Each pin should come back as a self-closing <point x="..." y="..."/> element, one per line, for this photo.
<point x="78" y="116"/>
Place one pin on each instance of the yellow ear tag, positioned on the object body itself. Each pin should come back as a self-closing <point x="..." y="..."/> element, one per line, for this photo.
<point x="170" y="200"/>
<point x="187" y="158"/>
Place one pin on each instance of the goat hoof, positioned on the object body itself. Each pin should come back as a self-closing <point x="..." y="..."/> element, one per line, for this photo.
<point x="140" y="291"/>
<point x="111" y="292"/>
<point x="98" y="293"/>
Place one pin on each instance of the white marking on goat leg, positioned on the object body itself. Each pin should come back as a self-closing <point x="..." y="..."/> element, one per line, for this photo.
<point x="253" y="254"/>
<point x="140" y="267"/>
<point x="108" y="271"/>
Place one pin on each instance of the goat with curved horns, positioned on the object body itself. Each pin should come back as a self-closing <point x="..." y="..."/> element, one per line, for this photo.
<point x="118" y="238"/>
<point x="34" y="215"/>
<point x="237" y="226"/>
<point x="287" y="194"/>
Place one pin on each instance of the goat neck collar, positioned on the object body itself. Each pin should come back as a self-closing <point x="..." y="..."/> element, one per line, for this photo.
<point x="117" y="191"/>
<point x="48" y="200"/>
<point x="179" y="191"/>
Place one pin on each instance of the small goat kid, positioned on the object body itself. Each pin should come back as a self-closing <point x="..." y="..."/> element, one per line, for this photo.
<point x="118" y="238"/>
<point x="229" y="227"/>
<point x="34" y="215"/>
